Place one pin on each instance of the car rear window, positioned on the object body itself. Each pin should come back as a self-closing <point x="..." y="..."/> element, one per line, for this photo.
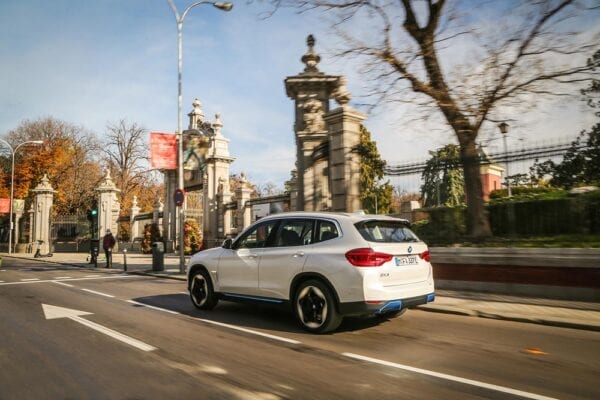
<point x="382" y="231"/>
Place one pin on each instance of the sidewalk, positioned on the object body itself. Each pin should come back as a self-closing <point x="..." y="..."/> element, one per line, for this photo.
<point x="568" y="314"/>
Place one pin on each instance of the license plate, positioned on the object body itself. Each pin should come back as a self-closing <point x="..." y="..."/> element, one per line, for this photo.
<point x="406" y="260"/>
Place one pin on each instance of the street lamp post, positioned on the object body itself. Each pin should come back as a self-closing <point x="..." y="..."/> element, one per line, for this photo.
<point x="504" y="130"/>
<point x="225" y="6"/>
<point x="13" y="151"/>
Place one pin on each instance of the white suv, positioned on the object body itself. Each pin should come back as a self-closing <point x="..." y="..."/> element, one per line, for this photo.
<point x="326" y="265"/>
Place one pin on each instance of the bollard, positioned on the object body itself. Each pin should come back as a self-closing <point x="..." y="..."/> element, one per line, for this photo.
<point x="94" y="249"/>
<point x="125" y="260"/>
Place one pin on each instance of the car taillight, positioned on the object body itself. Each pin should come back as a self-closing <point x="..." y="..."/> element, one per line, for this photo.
<point x="425" y="256"/>
<point x="367" y="257"/>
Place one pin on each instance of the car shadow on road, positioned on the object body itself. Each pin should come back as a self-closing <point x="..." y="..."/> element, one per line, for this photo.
<point x="278" y="318"/>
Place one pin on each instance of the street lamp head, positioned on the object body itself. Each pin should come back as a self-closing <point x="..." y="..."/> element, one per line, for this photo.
<point x="503" y="127"/>
<point x="37" y="142"/>
<point x="225" y="6"/>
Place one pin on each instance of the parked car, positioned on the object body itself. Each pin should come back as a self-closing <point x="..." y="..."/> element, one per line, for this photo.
<point x="325" y="265"/>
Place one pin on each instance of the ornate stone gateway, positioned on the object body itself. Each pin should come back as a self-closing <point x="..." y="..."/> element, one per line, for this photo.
<point x="328" y="167"/>
<point x="206" y="178"/>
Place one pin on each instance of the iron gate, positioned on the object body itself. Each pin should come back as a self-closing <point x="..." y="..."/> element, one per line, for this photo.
<point x="70" y="233"/>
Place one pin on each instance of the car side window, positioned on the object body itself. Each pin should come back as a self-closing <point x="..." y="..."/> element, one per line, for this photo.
<point x="295" y="232"/>
<point x="326" y="230"/>
<point x="259" y="236"/>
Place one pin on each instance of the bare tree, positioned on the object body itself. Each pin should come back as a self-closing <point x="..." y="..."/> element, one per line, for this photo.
<point x="530" y="48"/>
<point x="268" y="189"/>
<point x="127" y="155"/>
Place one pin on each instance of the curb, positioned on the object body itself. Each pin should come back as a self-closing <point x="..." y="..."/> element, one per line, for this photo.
<point x="157" y="275"/>
<point x="48" y="260"/>
<point x="556" y="322"/>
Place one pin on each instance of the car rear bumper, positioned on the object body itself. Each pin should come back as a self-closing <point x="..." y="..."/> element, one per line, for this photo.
<point x="381" y="307"/>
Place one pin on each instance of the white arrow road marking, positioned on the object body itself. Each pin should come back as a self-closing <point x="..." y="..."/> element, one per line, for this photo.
<point x="54" y="312"/>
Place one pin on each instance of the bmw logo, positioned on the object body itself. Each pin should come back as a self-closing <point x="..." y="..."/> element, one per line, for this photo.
<point x="410" y="249"/>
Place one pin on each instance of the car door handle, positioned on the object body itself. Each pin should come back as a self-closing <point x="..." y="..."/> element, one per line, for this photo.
<point x="251" y="256"/>
<point x="298" y="254"/>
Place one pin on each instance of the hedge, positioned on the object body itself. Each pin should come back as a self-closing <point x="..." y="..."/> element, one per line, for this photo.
<point x="572" y="214"/>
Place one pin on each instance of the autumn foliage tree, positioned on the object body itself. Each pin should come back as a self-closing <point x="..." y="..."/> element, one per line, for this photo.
<point x="66" y="156"/>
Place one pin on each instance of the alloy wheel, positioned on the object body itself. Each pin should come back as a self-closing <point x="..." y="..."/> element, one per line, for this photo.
<point x="199" y="290"/>
<point x="312" y="308"/>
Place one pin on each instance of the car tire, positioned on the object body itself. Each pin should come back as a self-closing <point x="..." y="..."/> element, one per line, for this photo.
<point x="315" y="307"/>
<point x="201" y="291"/>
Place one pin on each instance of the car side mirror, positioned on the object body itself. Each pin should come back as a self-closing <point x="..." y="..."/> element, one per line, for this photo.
<point x="227" y="243"/>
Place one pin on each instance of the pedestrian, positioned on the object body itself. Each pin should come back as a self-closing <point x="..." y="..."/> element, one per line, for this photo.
<point x="108" y="243"/>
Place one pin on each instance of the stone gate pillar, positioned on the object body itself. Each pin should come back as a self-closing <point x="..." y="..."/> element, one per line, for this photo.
<point x="135" y="225"/>
<point x="218" y="162"/>
<point x="244" y="212"/>
<point x="311" y="91"/>
<point x="31" y="213"/>
<point x="158" y="208"/>
<point x="108" y="206"/>
<point x="344" y="163"/>
<point x="223" y="198"/>
<point x="42" y="205"/>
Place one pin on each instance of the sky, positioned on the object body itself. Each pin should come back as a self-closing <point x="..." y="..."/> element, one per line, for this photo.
<point x="95" y="62"/>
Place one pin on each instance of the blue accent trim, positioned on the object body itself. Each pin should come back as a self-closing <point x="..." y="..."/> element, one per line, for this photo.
<point x="395" y="305"/>
<point x="241" y="296"/>
<point x="430" y="297"/>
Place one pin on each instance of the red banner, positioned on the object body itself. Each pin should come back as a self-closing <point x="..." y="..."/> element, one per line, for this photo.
<point x="163" y="150"/>
<point x="4" y="206"/>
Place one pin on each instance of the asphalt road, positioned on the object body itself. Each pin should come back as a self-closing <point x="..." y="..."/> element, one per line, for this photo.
<point x="138" y="337"/>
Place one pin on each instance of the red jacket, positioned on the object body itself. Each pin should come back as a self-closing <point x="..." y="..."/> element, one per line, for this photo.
<point x="108" y="242"/>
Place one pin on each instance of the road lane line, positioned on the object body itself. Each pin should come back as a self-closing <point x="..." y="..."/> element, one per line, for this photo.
<point x="98" y="293"/>
<point x="63" y="277"/>
<point x="62" y="283"/>
<point x="71" y="280"/>
<point x="234" y="327"/>
<point x="30" y="279"/>
<point x="458" y="379"/>
<point x="253" y="332"/>
<point x="153" y="307"/>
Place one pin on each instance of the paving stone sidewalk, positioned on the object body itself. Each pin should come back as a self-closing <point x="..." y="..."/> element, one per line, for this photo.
<point x="568" y="314"/>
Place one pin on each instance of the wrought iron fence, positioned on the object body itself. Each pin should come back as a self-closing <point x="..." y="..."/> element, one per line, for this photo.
<point x="70" y="233"/>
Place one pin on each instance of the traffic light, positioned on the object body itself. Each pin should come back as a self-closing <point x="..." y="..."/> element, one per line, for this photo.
<point x="94" y="210"/>
<point x="92" y="216"/>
